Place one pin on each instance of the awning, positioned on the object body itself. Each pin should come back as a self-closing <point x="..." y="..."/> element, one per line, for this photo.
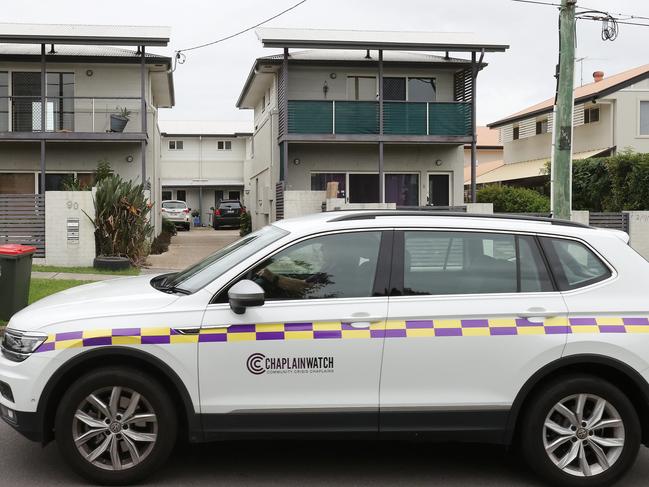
<point x="201" y="182"/>
<point x="481" y="169"/>
<point x="527" y="169"/>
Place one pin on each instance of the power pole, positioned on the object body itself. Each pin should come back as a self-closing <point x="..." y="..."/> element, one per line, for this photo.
<point x="563" y="112"/>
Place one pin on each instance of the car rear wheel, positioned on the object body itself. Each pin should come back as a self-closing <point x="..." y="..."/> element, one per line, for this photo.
<point x="580" y="431"/>
<point x="115" y="426"/>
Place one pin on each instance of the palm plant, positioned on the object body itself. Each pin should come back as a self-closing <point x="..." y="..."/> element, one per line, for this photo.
<point x="122" y="227"/>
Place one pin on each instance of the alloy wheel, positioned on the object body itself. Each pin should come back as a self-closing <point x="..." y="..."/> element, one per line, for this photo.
<point x="115" y="428"/>
<point x="583" y="435"/>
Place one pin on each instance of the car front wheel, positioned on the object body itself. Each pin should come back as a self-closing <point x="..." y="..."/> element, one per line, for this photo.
<point x="115" y="426"/>
<point x="580" y="431"/>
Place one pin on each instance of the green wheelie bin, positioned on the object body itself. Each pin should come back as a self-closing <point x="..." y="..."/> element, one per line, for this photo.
<point x="15" y="275"/>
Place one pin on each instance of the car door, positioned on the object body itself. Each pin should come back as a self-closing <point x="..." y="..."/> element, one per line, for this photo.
<point x="309" y="358"/>
<point x="478" y="314"/>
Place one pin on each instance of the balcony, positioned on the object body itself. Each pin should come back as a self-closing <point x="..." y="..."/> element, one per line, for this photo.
<point x="426" y="121"/>
<point x="68" y="118"/>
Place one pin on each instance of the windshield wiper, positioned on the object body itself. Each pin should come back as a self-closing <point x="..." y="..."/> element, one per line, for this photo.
<point x="173" y="290"/>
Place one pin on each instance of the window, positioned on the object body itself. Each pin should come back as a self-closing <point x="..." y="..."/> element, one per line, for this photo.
<point x="437" y="263"/>
<point x="55" y="181"/>
<point x="332" y="266"/>
<point x="174" y="205"/>
<point x="402" y="189"/>
<point x="234" y="195"/>
<point x="224" y="145"/>
<point x="394" y="89"/>
<point x="166" y="195"/>
<point x="573" y="264"/>
<point x="181" y="195"/>
<point x="176" y="145"/>
<point x="4" y="102"/>
<point x="16" y="183"/>
<point x="319" y="182"/>
<point x="542" y="127"/>
<point x="263" y="103"/>
<point x="591" y="115"/>
<point x="27" y="109"/>
<point x="422" y="89"/>
<point x="204" y="272"/>
<point x="361" y="88"/>
<point x="644" y="118"/>
<point x="516" y="133"/>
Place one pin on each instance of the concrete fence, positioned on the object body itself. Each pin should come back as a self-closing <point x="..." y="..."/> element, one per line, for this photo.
<point x="69" y="233"/>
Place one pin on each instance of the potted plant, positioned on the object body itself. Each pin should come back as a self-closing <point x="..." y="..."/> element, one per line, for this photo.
<point x="119" y="120"/>
<point x="196" y="217"/>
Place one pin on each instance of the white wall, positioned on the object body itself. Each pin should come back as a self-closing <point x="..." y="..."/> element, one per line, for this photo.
<point x="62" y="205"/>
<point x="398" y="158"/>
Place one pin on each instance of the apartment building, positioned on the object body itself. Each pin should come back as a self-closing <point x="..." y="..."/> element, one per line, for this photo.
<point x="375" y="112"/>
<point x="61" y="89"/>
<point x="202" y="162"/>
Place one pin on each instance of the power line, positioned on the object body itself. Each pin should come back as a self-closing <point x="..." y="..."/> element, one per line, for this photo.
<point x="619" y="14"/>
<point x="180" y="57"/>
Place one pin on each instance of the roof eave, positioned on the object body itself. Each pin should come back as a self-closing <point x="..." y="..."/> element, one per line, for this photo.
<point x="392" y="46"/>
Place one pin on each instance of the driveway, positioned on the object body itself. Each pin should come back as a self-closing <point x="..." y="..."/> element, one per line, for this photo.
<point x="298" y="463"/>
<point x="187" y="248"/>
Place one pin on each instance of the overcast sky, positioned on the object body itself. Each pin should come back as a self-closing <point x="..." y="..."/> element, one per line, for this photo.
<point x="209" y="83"/>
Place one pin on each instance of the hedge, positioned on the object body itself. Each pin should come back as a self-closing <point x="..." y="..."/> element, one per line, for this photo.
<point x="510" y="199"/>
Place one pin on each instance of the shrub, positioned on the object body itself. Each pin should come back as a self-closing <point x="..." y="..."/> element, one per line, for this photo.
<point x="509" y="199"/>
<point x="103" y="170"/>
<point x="121" y="221"/>
<point x="161" y="243"/>
<point x="245" y="226"/>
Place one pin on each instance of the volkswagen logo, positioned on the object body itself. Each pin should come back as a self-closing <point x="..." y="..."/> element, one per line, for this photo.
<point x="255" y="363"/>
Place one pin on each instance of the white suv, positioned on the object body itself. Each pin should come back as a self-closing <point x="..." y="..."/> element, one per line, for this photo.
<point x="525" y="332"/>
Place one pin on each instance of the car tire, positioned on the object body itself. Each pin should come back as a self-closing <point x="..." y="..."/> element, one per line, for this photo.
<point x="87" y="412"/>
<point x="549" y="437"/>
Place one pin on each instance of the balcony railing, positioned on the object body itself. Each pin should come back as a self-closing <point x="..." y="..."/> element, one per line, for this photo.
<point x="66" y="114"/>
<point x="362" y="117"/>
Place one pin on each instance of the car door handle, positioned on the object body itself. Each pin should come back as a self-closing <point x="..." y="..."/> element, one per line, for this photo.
<point x="360" y="324"/>
<point x="538" y="313"/>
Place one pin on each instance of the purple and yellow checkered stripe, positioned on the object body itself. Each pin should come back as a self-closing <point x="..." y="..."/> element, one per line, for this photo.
<point x="336" y="330"/>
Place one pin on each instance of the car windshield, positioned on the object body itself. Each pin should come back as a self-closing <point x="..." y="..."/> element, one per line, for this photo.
<point x="202" y="273"/>
<point x="174" y="205"/>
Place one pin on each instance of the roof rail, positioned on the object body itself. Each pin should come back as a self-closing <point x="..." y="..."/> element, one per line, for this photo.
<point x="372" y="214"/>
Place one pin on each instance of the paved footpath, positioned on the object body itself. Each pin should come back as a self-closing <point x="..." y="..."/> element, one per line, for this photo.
<point x="298" y="463"/>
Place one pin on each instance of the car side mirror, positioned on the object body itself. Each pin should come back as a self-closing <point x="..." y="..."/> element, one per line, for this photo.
<point x="245" y="294"/>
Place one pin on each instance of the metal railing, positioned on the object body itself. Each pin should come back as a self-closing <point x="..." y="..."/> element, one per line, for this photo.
<point x="67" y="114"/>
<point x="362" y="117"/>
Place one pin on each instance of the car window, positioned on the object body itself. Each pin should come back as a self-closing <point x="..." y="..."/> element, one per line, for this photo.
<point x="331" y="266"/>
<point x="174" y="205"/>
<point x="471" y="263"/>
<point x="574" y="264"/>
<point x="202" y="273"/>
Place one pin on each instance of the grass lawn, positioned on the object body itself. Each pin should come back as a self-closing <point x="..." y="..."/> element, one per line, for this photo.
<point x="40" y="288"/>
<point x="133" y="271"/>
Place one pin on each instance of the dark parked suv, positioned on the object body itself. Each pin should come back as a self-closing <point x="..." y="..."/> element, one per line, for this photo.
<point x="228" y="213"/>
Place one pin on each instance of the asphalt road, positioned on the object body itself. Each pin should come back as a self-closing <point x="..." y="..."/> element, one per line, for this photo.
<point x="338" y="463"/>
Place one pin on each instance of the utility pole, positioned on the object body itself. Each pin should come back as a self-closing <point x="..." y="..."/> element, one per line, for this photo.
<point x="563" y="112"/>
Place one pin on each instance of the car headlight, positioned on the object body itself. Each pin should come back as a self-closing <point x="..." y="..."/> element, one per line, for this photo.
<point x="18" y="345"/>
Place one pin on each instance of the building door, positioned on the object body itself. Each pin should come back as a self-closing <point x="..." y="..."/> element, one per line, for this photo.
<point x="218" y="197"/>
<point x="363" y="188"/>
<point x="439" y="189"/>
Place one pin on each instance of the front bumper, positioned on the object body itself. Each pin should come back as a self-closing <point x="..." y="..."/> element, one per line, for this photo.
<point x="30" y="425"/>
